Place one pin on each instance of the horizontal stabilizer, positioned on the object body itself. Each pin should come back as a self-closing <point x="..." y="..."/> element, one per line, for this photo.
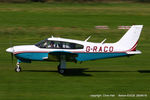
<point x="134" y="52"/>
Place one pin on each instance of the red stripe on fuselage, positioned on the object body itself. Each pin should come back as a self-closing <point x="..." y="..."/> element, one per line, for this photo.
<point x="71" y="52"/>
<point x="31" y="52"/>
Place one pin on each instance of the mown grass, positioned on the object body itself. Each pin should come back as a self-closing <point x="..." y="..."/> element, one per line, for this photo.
<point x="32" y="22"/>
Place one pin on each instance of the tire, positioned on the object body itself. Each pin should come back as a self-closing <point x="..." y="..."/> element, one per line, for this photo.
<point x="18" y="69"/>
<point x="61" y="71"/>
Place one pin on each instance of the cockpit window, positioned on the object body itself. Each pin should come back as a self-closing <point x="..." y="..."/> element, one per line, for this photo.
<point x="58" y="45"/>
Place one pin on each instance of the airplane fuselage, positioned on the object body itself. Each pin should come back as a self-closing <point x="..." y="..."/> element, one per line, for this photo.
<point x="91" y="51"/>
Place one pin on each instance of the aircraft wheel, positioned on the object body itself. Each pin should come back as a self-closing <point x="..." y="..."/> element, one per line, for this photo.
<point x="61" y="71"/>
<point x="18" y="69"/>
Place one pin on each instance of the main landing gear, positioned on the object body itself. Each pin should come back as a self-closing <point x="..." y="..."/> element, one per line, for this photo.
<point x="18" y="68"/>
<point x="62" y="65"/>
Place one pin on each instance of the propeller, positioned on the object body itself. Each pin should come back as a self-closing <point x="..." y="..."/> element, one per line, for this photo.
<point x="12" y="52"/>
<point x="12" y="56"/>
<point x="11" y="48"/>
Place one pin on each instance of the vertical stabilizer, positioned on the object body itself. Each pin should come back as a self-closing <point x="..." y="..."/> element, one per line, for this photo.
<point x="130" y="39"/>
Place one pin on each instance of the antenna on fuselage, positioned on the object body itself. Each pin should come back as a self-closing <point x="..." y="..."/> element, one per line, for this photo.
<point x="103" y="41"/>
<point x="52" y="36"/>
<point x="88" y="38"/>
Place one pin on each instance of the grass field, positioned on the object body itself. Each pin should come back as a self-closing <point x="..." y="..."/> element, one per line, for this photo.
<point x="31" y="22"/>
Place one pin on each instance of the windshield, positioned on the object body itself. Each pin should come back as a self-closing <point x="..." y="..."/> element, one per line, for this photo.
<point x="58" y="45"/>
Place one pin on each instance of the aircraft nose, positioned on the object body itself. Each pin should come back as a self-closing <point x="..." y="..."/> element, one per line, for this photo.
<point x="10" y="50"/>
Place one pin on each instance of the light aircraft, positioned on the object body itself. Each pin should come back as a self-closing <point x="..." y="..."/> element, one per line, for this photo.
<point x="68" y="50"/>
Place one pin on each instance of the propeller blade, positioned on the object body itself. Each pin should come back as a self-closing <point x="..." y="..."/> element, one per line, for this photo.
<point x="12" y="58"/>
<point x="11" y="45"/>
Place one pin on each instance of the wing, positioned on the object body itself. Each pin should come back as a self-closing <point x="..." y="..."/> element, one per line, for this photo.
<point x="57" y="55"/>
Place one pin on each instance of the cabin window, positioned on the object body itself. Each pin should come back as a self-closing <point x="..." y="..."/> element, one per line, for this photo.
<point x="58" y="45"/>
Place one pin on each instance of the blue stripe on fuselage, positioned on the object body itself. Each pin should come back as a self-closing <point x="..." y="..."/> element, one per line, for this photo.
<point x="35" y="56"/>
<point x="94" y="56"/>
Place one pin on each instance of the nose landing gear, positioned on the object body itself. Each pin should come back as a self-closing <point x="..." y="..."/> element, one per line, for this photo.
<point x="18" y="68"/>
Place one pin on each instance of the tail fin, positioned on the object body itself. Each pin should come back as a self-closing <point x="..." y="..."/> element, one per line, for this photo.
<point x="130" y="39"/>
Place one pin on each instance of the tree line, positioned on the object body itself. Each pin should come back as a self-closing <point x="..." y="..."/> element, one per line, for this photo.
<point x="23" y="1"/>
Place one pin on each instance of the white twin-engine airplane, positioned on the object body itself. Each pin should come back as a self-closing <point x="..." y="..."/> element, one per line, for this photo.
<point x="68" y="50"/>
